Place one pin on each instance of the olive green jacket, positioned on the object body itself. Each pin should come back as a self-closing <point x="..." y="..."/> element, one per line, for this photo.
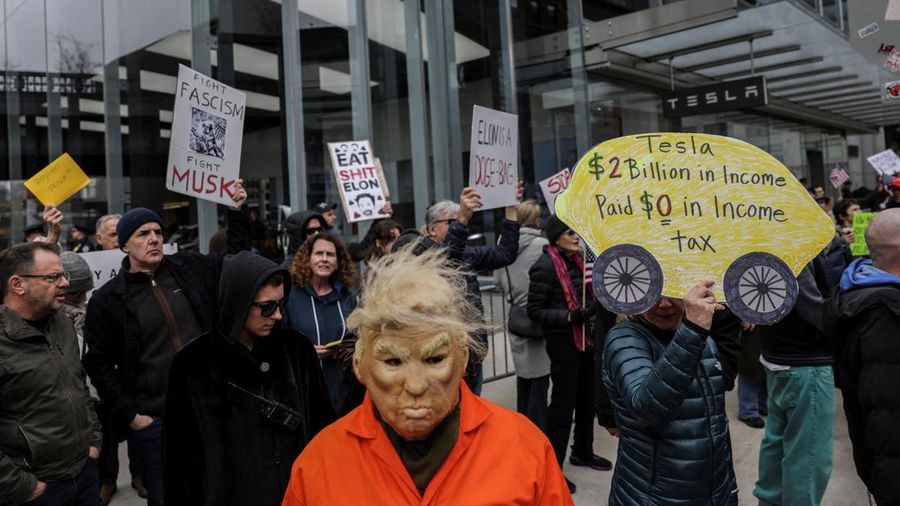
<point x="47" y="422"/>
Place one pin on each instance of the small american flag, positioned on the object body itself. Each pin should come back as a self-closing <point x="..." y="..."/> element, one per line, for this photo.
<point x="589" y="259"/>
<point x="838" y="176"/>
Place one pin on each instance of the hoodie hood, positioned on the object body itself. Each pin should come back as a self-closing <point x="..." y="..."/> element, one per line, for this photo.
<point x="528" y="235"/>
<point x="861" y="273"/>
<point x="295" y="226"/>
<point x="242" y="275"/>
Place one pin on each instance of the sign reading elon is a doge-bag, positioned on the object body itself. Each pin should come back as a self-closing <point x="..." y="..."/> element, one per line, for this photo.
<point x="207" y="130"/>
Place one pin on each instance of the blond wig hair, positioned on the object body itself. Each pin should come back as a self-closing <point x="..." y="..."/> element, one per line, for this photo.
<point x="410" y="295"/>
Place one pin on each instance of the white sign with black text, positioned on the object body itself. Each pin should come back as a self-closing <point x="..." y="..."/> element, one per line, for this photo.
<point x="207" y="130"/>
<point x="494" y="157"/>
<point x="553" y="186"/>
<point x="885" y="163"/>
<point x="358" y="179"/>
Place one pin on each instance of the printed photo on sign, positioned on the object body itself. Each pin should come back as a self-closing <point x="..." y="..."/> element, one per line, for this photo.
<point x="358" y="179"/>
<point x="207" y="130"/>
<point x="665" y="211"/>
<point x="207" y="133"/>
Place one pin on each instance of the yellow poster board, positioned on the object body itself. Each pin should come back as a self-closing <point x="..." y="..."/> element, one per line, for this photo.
<point x="664" y="211"/>
<point x="55" y="183"/>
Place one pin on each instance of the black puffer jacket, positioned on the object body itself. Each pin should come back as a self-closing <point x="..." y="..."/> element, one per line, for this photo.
<point x="546" y="300"/>
<point x="219" y="449"/>
<point x="865" y="326"/>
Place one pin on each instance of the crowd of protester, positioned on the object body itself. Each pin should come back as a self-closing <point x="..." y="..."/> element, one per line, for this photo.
<point x="351" y="373"/>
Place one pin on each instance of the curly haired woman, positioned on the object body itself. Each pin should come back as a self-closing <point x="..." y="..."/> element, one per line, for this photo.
<point x="321" y="300"/>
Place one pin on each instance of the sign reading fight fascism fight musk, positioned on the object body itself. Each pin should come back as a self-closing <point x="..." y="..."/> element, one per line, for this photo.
<point x="359" y="181"/>
<point x="494" y="156"/>
<point x="719" y="97"/>
<point x="207" y="128"/>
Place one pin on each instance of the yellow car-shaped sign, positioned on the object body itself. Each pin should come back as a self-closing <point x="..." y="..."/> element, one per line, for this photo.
<point x="664" y="211"/>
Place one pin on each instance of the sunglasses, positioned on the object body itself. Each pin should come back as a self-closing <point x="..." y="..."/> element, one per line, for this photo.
<point x="315" y="230"/>
<point x="268" y="308"/>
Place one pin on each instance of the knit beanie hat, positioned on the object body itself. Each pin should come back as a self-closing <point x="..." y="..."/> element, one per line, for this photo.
<point x="133" y="220"/>
<point x="81" y="279"/>
<point x="553" y="228"/>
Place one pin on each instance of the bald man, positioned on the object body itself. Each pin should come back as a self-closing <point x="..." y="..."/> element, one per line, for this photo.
<point x="865" y="318"/>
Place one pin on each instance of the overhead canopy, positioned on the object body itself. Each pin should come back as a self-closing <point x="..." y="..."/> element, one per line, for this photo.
<point x="814" y="74"/>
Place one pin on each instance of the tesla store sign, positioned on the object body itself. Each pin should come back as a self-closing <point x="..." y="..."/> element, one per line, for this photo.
<point x="719" y="97"/>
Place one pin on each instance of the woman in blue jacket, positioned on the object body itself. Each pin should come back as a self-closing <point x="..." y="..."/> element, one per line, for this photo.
<point x="667" y="385"/>
<point x="321" y="300"/>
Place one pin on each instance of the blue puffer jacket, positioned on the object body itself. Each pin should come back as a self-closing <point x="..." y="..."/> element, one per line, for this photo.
<point x="669" y="396"/>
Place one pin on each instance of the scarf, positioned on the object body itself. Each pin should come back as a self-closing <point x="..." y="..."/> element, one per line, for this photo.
<point x="579" y="335"/>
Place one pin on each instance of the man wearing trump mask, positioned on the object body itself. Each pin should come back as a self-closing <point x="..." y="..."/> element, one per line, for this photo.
<point x="421" y="436"/>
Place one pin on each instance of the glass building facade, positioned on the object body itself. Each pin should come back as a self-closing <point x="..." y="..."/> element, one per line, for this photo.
<point x="96" y="79"/>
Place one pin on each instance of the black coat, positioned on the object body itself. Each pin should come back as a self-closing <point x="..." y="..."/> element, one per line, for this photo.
<point x="865" y="326"/>
<point x="219" y="448"/>
<point x="546" y="300"/>
<point x="113" y="336"/>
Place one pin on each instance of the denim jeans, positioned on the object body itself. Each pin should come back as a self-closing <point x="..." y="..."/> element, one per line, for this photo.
<point x="752" y="396"/>
<point x="795" y="457"/>
<point x="82" y="490"/>
<point x="148" y="448"/>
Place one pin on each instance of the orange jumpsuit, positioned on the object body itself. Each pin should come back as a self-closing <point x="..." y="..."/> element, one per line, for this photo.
<point x="499" y="458"/>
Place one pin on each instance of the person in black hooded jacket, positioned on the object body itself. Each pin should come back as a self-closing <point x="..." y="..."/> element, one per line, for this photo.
<point x="221" y="446"/>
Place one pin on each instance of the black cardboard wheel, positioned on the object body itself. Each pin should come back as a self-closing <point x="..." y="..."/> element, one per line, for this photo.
<point x="760" y="288"/>
<point x="627" y="279"/>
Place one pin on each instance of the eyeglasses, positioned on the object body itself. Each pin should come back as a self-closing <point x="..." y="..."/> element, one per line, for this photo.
<point x="268" y="308"/>
<point x="448" y="221"/>
<point x="50" y="278"/>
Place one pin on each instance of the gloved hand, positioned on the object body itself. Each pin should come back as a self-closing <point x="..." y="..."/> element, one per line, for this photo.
<point x="583" y="314"/>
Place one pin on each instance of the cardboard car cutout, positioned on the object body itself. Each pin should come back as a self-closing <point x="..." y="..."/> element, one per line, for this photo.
<point x="665" y="211"/>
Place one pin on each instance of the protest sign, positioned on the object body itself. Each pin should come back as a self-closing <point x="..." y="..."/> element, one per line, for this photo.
<point x="860" y="224"/>
<point x="553" y="186"/>
<point x="205" y="147"/>
<point x="56" y="182"/>
<point x="665" y="211"/>
<point x="885" y="163"/>
<point x="360" y="184"/>
<point x="106" y="264"/>
<point x="494" y="157"/>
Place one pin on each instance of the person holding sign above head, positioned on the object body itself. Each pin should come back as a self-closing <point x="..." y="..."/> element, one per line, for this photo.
<point x="421" y="436"/>
<point x="665" y="380"/>
<point x="558" y="301"/>
<point x="138" y="320"/>
<point x="447" y="225"/>
<point x="321" y="300"/>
